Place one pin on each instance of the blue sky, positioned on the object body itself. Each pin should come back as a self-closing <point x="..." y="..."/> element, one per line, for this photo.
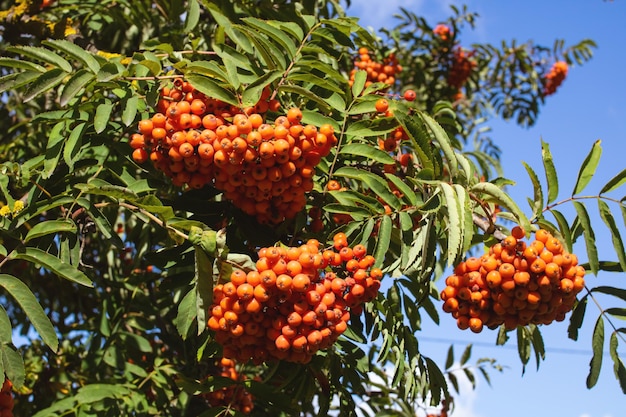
<point x="590" y="105"/>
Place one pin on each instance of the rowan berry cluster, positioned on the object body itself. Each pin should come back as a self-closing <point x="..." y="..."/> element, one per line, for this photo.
<point x="442" y="31"/>
<point x="514" y="284"/>
<point x="233" y="396"/>
<point x="264" y="169"/>
<point x="382" y="72"/>
<point x="6" y="399"/>
<point x="555" y="77"/>
<point x="461" y="68"/>
<point x="297" y="301"/>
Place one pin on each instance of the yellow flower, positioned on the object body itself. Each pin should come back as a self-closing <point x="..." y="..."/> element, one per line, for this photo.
<point x="5" y="211"/>
<point x="18" y="206"/>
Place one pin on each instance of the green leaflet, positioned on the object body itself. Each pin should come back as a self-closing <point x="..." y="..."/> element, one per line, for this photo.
<point x="26" y="299"/>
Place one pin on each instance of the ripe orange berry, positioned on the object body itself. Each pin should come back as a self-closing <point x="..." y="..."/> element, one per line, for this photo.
<point x="409" y="95"/>
<point x="382" y="105"/>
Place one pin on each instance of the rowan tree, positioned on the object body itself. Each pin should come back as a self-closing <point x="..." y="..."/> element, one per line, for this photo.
<point x="226" y="208"/>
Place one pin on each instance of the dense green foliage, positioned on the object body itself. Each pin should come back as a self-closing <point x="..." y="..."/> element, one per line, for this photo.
<point x="114" y="267"/>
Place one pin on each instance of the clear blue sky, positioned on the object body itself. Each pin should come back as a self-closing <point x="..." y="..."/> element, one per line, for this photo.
<point x="590" y="105"/>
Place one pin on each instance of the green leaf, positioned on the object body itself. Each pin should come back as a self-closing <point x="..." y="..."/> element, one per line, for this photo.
<point x="13" y="365"/>
<point x="44" y="82"/>
<point x="44" y="55"/>
<point x="440" y="135"/>
<point x="450" y="357"/>
<point x="211" y="88"/>
<point x="109" y="71"/>
<point x="551" y="177"/>
<point x="274" y="34"/>
<point x="252" y="93"/>
<point x="20" y="64"/>
<point x="618" y="365"/>
<point x="372" y="127"/>
<point x="92" y="393"/>
<point x="306" y="93"/>
<point x="54" y="264"/>
<point x="367" y="151"/>
<point x="26" y="299"/>
<point x="523" y="344"/>
<point x="466" y="355"/>
<point x="615" y="182"/>
<point x="6" y="332"/>
<point x="73" y="144"/>
<point x="97" y="186"/>
<point x="537" y="204"/>
<point x="76" y="52"/>
<point x="193" y="16"/>
<point x="597" y="344"/>
<point x="103" y="113"/>
<point x="454" y="229"/>
<point x="504" y="200"/>
<point x="616" y="238"/>
<point x="564" y="228"/>
<point x="74" y="85"/>
<point x="576" y="319"/>
<point x="407" y="193"/>
<point x="205" y="244"/>
<point x="589" y="235"/>
<point x="130" y="109"/>
<point x="588" y="167"/>
<point x="359" y="82"/>
<point x="616" y="292"/>
<point x="383" y="239"/>
<point x="50" y="227"/>
<point x="186" y="313"/>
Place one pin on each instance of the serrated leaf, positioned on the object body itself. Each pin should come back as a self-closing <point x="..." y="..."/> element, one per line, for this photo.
<point x="204" y="286"/>
<point x="275" y="34"/>
<point x="407" y="193"/>
<point x="523" y="344"/>
<point x="193" y="16"/>
<point x="614" y="183"/>
<point x="504" y="200"/>
<point x="76" y="52"/>
<point x="325" y="105"/>
<point x="359" y="82"/>
<point x="616" y="292"/>
<point x="50" y="227"/>
<point x="100" y="187"/>
<point x="211" y="88"/>
<point x="597" y="345"/>
<point x="96" y="392"/>
<point x="618" y="366"/>
<point x="382" y="241"/>
<point x="551" y="177"/>
<point x="441" y="137"/>
<point x="616" y="238"/>
<point x="454" y="230"/>
<point x="186" y="313"/>
<point x="109" y="71"/>
<point x="372" y="127"/>
<point x="44" y="82"/>
<point x="450" y="357"/>
<point x="31" y="307"/>
<point x="589" y="235"/>
<point x="74" y="85"/>
<point x="537" y="202"/>
<point x="6" y="331"/>
<point x="466" y="355"/>
<point x="54" y="264"/>
<point x="44" y="55"/>
<point x="252" y="93"/>
<point x="130" y="109"/>
<point x="588" y="167"/>
<point x="73" y="144"/>
<point x="101" y="118"/>
<point x="21" y="64"/>
<point x="367" y="151"/>
<point x="576" y="319"/>
<point x="13" y="365"/>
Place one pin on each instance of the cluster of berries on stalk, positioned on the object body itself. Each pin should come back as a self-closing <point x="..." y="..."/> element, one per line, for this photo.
<point x="555" y="77"/>
<point x="296" y="301"/>
<point x="264" y="168"/>
<point x="514" y="284"/>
